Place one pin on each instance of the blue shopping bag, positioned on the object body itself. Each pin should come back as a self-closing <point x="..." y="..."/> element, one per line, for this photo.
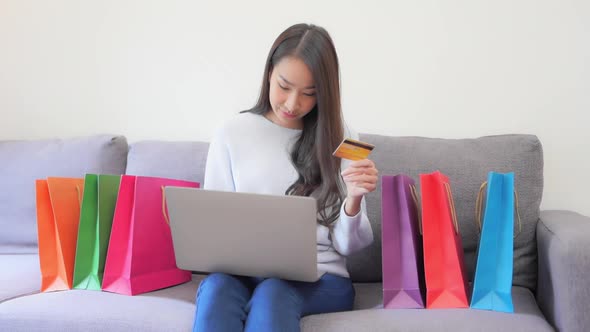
<point x="492" y="285"/>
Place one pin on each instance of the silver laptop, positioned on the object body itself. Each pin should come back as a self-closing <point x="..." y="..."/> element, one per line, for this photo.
<point x="244" y="234"/>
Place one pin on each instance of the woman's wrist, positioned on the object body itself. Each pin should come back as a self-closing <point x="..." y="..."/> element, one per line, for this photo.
<point x="352" y="205"/>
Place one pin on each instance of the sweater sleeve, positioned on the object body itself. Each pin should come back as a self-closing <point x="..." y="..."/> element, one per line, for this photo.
<point x="218" y="169"/>
<point x="351" y="233"/>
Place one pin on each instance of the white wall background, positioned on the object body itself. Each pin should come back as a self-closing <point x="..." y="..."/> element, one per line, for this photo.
<point x="175" y="70"/>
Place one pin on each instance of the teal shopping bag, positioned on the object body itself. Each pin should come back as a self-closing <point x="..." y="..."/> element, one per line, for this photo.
<point x="492" y="285"/>
<point x="96" y="219"/>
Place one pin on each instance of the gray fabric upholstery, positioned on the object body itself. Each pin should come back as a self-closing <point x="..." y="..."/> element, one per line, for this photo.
<point x="368" y="295"/>
<point x="563" y="292"/>
<point x="176" y="160"/>
<point x="20" y="275"/>
<point x="22" y="162"/>
<point x="467" y="163"/>
<point x="527" y="317"/>
<point x="170" y="309"/>
<point x="67" y="311"/>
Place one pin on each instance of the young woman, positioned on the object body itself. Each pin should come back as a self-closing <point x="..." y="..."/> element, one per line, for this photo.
<point x="284" y="145"/>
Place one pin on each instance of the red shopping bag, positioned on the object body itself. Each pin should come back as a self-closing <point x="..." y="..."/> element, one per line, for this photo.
<point x="446" y="281"/>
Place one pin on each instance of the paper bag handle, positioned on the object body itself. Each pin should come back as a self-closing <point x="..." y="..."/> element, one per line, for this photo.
<point x="479" y="205"/>
<point x="164" y="207"/>
<point x="415" y="199"/>
<point x="452" y="206"/>
<point x="79" y="195"/>
<point x="517" y="213"/>
<point x="479" y="208"/>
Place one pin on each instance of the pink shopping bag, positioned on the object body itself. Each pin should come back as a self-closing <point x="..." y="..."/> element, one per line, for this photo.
<point x="140" y="256"/>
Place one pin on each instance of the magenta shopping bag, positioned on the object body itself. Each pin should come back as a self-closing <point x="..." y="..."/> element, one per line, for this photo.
<point x="140" y="256"/>
<point x="401" y="244"/>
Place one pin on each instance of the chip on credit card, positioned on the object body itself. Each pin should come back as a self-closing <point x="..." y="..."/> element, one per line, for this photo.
<point x="353" y="150"/>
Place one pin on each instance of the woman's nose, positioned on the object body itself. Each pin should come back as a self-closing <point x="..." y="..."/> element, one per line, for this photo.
<point x="292" y="102"/>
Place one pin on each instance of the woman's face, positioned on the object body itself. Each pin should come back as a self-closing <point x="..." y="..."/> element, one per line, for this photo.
<point x="292" y="93"/>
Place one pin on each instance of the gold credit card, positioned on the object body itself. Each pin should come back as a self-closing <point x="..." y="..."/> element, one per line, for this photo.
<point x="353" y="149"/>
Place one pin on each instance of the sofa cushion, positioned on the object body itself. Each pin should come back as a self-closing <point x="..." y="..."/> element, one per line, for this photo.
<point x="170" y="309"/>
<point x="526" y="316"/>
<point x="25" y="161"/>
<point x="467" y="163"/>
<point x="20" y="275"/>
<point x="175" y="160"/>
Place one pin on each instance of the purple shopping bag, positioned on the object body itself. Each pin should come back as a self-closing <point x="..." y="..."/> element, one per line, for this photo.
<point x="403" y="280"/>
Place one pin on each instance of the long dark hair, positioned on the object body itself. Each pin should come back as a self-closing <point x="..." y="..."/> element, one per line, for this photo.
<point x="319" y="171"/>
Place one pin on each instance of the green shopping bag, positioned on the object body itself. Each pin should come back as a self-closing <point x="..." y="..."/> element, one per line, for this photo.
<point x="96" y="219"/>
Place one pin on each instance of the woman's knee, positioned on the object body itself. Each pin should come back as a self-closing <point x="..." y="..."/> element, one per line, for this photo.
<point x="274" y="289"/>
<point x="273" y="285"/>
<point x="216" y="282"/>
<point x="220" y="303"/>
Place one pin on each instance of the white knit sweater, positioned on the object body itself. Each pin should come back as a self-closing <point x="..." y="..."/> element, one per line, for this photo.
<point x="251" y="154"/>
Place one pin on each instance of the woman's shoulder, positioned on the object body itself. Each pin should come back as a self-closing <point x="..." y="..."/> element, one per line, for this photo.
<point x="239" y="124"/>
<point x="242" y="119"/>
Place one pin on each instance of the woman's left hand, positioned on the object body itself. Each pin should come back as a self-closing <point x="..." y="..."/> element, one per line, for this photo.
<point x="360" y="178"/>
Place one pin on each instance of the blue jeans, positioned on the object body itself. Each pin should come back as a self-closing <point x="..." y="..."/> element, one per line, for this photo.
<point x="232" y="303"/>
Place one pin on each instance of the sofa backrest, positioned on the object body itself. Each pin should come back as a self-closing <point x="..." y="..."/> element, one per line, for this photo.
<point x="175" y="160"/>
<point x="466" y="162"/>
<point x="22" y="162"/>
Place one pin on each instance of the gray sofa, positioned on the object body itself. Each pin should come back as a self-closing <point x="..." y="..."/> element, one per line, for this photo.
<point x="551" y="261"/>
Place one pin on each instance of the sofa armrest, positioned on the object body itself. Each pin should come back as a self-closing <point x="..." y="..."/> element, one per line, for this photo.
<point x="563" y="289"/>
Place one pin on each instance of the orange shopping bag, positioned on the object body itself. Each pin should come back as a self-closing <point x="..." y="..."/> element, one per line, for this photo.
<point x="58" y="214"/>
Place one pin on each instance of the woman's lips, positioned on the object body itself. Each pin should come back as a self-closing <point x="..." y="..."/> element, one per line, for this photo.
<point x="289" y="115"/>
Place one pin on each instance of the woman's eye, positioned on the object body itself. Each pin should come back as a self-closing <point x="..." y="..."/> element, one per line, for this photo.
<point x="310" y="94"/>
<point x="283" y="87"/>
